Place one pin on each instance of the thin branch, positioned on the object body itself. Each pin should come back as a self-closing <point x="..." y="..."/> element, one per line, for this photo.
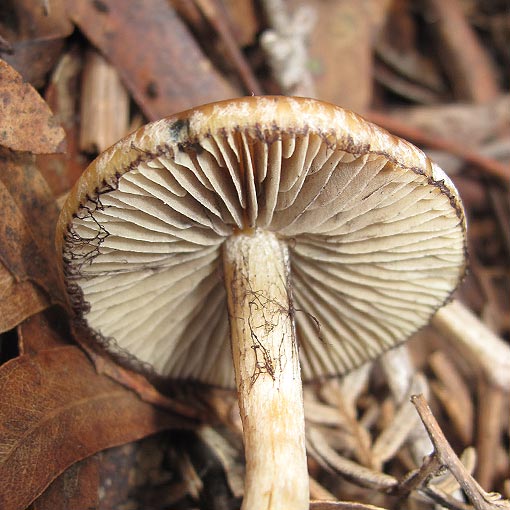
<point x="489" y="166"/>
<point x="210" y="9"/>
<point x="341" y="505"/>
<point x="350" y="470"/>
<point x="480" y="499"/>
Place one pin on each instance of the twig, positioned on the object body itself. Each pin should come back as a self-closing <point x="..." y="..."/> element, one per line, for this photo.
<point x="415" y="479"/>
<point x="500" y="200"/>
<point x="6" y="46"/>
<point x="404" y="87"/>
<point x="210" y="9"/>
<point x="317" y="491"/>
<point x="444" y="499"/>
<point x="447" y="483"/>
<point x="453" y="394"/>
<point x="489" y="166"/>
<point x="480" y="499"/>
<point x="491" y="410"/>
<point x="403" y="382"/>
<point x="485" y="349"/>
<point x="350" y="470"/>
<point x="341" y="505"/>
<point x="343" y="396"/>
<point x="467" y="64"/>
<point x="404" y="423"/>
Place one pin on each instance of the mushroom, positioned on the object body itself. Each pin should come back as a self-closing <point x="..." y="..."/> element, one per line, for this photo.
<point x="289" y="228"/>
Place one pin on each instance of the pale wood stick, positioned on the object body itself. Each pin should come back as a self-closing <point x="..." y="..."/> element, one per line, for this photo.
<point x="104" y="105"/>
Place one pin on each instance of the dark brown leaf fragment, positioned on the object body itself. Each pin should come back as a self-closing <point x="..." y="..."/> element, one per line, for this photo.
<point x="75" y="489"/>
<point x="44" y="330"/>
<point x="56" y="410"/>
<point x="36" y="31"/>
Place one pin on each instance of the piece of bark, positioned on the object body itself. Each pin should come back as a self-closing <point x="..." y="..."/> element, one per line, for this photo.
<point x="104" y="105"/>
<point x="466" y="62"/>
<point x="341" y="49"/>
<point x="56" y="410"/>
<point x="26" y="123"/>
<point x="154" y="53"/>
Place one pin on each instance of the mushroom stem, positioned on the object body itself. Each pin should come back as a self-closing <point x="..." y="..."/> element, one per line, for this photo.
<point x="268" y="378"/>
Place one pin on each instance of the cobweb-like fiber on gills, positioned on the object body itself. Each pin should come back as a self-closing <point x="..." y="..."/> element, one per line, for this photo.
<point x="374" y="249"/>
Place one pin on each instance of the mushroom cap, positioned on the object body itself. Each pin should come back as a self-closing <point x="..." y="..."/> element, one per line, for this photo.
<point x="375" y="231"/>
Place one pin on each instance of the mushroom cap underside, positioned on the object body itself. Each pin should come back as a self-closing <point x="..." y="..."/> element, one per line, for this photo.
<point x="375" y="231"/>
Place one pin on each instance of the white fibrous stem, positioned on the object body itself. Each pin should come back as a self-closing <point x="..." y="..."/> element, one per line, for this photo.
<point x="267" y="370"/>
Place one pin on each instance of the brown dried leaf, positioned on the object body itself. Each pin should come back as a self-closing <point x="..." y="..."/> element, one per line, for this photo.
<point x="157" y="58"/>
<point x="44" y="330"/>
<point x="34" y="59"/>
<point x="18" y="300"/>
<point x="26" y="123"/>
<point x="36" y="32"/>
<point x="133" y="380"/>
<point x="56" y="410"/>
<point x="27" y="225"/>
<point x="75" y="489"/>
<point x="32" y="20"/>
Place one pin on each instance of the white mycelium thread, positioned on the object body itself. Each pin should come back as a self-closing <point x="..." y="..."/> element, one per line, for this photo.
<point x="374" y="250"/>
